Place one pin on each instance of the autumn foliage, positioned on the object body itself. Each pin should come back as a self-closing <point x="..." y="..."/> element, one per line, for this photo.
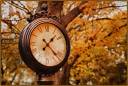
<point x="97" y="37"/>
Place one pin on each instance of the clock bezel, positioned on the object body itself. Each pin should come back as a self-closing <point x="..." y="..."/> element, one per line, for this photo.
<point x="26" y="54"/>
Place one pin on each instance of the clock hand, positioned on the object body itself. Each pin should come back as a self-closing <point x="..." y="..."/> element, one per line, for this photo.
<point x="45" y="43"/>
<point x="49" y="41"/>
<point x="54" y="52"/>
<point x="52" y="39"/>
<point x="44" y="48"/>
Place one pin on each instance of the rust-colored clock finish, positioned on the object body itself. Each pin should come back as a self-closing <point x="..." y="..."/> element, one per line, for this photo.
<point x="44" y="45"/>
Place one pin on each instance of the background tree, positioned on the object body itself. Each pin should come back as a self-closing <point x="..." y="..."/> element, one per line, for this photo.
<point x="97" y="35"/>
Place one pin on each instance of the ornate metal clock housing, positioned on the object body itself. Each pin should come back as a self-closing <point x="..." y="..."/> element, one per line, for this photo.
<point x="44" y="45"/>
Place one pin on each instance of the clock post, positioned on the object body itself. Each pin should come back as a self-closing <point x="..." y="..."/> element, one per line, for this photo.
<point x="52" y="79"/>
<point x="44" y="44"/>
<point x="45" y="80"/>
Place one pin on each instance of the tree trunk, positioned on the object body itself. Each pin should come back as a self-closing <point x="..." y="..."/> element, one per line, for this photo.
<point x="54" y="8"/>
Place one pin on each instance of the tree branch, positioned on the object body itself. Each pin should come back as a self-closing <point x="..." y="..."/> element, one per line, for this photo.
<point x="23" y="6"/>
<point x="13" y="78"/>
<point x="67" y="68"/>
<point x="75" y="59"/>
<point x="10" y="25"/>
<point x="14" y="19"/>
<point x="112" y="31"/>
<point x="107" y="19"/>
<point x="19" y="7"/>
<point x="110" y="7"/>
<point x="123" y="26"/>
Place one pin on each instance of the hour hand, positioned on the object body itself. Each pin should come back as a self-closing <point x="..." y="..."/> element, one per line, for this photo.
<point x="44" y="41"/>
<point x="52" y="38"/>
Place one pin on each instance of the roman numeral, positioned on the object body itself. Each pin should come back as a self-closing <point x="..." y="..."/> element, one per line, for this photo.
<point x="34" y="35"/>
<point x="59" y="37"/>
<point x="40" y="29"/>
<point x="33" y="43"/>
<point x="54" y="30"/>
<point x="59" y="54"/>
<point x="47" y="61"/>
<point x="34" y="50"/>
<point x="47" y="28"/>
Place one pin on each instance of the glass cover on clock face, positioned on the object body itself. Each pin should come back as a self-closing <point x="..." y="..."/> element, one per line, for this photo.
<point x="48" y="44"/>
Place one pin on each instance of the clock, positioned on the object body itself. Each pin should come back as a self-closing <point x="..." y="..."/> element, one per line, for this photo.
<point x="44" y="45"/>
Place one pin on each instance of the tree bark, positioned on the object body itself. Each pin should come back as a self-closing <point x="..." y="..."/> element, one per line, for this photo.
<point x="54" y="8"/>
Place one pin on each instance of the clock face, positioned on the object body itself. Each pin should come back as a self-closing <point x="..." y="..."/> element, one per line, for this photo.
<point x="48" y="44"/>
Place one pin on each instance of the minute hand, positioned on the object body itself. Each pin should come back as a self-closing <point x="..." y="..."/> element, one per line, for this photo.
<point x="54" y="52"/>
